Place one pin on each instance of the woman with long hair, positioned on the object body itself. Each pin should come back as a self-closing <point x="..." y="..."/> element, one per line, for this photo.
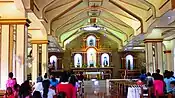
<point x="47" y="92"/>
<point x="25" y="90"/>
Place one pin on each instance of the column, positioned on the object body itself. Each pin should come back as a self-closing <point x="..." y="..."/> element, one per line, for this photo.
<point x="21" y="52"/>
<point x="9" y="61"/>
<point x="44" y="58"/>
<point x="159" y="51"/>
<point x="4" y="68"/>
<point x="156" y="61"/>
<point x="35" y="62"/>
<point x="168" y="60"/>
<point x="149" y="57"/>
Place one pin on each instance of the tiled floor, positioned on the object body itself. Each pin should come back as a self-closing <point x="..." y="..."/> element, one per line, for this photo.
<point x="95" y="89"/>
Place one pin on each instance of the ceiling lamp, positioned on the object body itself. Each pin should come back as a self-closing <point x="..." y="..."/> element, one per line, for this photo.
<point x="92" y="28"/>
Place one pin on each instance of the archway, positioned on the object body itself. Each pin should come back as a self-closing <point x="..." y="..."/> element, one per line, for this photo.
<point x="53" y="61"/>
<point x="129" y="62"/>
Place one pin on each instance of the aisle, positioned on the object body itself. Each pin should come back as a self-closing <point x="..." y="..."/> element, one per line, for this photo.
<point x="93" y="90"/>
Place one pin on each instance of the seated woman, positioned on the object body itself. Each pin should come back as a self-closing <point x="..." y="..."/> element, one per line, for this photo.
<point x="66" y="87"/>
<point x="9" y="93"/>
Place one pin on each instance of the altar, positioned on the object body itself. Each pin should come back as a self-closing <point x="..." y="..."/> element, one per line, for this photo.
<point x="95" y="73"/>
<point x="92" y="59"/>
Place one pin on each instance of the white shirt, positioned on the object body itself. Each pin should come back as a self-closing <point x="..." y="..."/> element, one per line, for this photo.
<point x="50" y="94"/>
<point x="38" y="86"/>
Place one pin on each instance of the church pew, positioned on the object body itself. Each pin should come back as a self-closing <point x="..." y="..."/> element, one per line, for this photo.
<point x="2" y="93"/>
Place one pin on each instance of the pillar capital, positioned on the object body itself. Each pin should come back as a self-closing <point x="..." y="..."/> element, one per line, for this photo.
<point x="24" y="21"/>
<point x="167" y="51"/>
<point x="39" y="41"/>
<point x="153" y="40"/>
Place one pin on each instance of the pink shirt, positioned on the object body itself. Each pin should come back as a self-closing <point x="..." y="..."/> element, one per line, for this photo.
<point x="158" y="87"/>
<point x="11" y="83"/>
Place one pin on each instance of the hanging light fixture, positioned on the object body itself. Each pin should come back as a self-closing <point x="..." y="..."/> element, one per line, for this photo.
<point x="91" y="28"/>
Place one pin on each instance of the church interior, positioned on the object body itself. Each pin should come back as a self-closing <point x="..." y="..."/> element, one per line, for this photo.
<point x="103" y="39"/>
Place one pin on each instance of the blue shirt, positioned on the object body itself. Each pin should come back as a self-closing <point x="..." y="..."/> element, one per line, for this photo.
<point x="53" y="83"/>
<point x="142" y="77"/>
<point x="167" y="82"/>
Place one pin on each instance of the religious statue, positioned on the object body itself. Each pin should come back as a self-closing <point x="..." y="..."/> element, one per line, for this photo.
<point x="105" y="62"/>
<point x="91" y="42"/>
<point x="129" y="65"/>
<point x="78" y="62"/>
<point x="53" y="64"/>
<point x="91" y="61"/>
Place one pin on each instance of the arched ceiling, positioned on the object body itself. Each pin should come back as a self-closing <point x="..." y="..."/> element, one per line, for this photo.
<point x="122" y="19"/>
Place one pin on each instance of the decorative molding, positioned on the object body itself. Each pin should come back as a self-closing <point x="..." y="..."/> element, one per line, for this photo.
<point x="129" y="12"/>
<point x="39" y="41"/>
<point x="153" y="40"/>
<point x="34" y="29"/>
<point x="173" y="4"/>
<point x="164" y="4"/>
<point x="167" y="51"/>
<point x="15" y="21"/>
<point x="5" y="1"/>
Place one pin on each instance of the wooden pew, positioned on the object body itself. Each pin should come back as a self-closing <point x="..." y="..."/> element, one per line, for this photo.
<point x="2" y="92"/>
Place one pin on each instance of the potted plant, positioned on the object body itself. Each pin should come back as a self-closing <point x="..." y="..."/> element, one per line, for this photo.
<point x="84" y="66"/>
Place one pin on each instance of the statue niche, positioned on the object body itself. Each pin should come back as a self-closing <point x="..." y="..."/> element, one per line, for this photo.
<point x="91" y="41"/>
<point x="91" y="57"/>
<point x="77" y="60"/>
<point x="105" y="60"/>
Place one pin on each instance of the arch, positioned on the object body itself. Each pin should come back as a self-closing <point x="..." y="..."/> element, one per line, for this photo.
<point x="105" y="60"/>
<point x="91" y="41"/>
<point x="78" y="60"/>
<point x="130" y="62"/>
<point x="91" y="57"/>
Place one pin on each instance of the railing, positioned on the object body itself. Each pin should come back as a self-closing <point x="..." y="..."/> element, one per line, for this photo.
<point x="119" y="88"/>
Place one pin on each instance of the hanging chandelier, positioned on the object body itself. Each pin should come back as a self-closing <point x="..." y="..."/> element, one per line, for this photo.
<point x="91" y="28"/>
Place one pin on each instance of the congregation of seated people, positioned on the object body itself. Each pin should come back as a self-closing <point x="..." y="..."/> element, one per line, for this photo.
<point x="160" y="84"/>
<point x="65" y="87"/>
